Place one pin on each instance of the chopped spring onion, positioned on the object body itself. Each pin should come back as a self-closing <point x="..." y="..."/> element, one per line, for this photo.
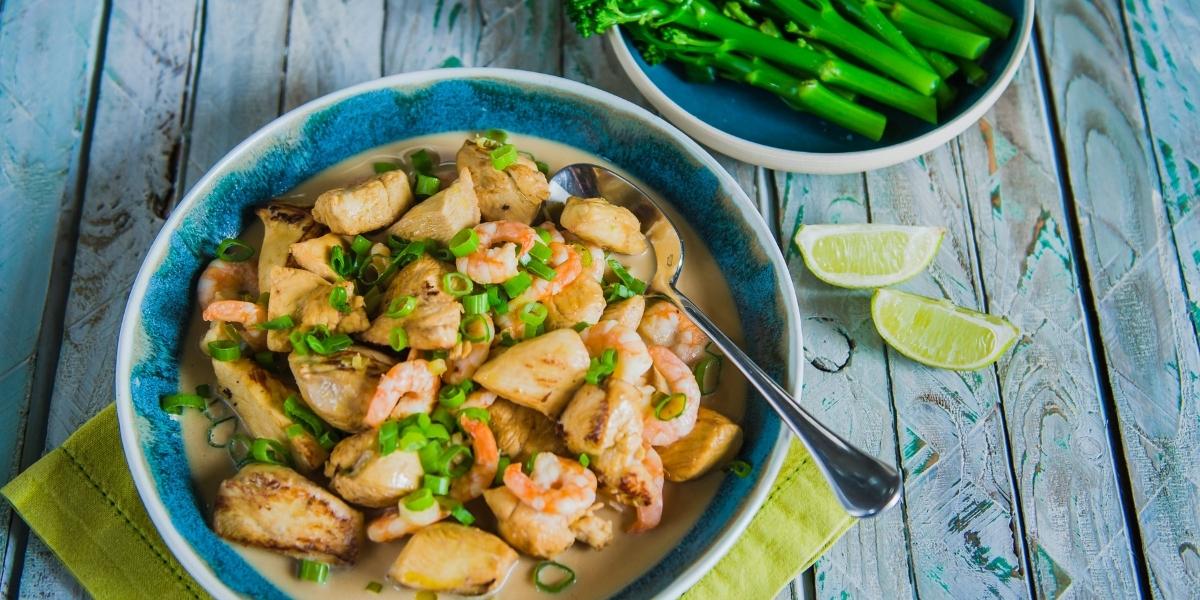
<point x="427" y="185"/>
<point x="429" y="454"/>
<point x="294" y="430"/>
<point x="216" y="434"/>
<point x="543" y="167"/>
<point x="234" y="250"/>
<point x="265" y="359"/>
<point x="405" y="249"/>
<point x="436" y="431"/>
<point x="278" y="323"/>
<point x="476" y="413"/>
<point x="517" y="284"/>
<point x="224" y="350"/>
<point x="451" y="396"/>
<point x="544" y="236"/>
<point x="422" y="161"/>
<point x="580" y="326"/>
<point x="670" y="407"/>
<point x="601" y="367"/>
<point x="440" y="253"/>
<point x="585" y="255"/>
<point x="739" y="468"/>
<point x="175" y="403"/>
<point x="461" y="513"/>
<point x="566" y="577"/>
<point x="503" y="157"/>
<point x="340" y="263"/>
<point x="455" y="461"/>
<point x="534" y="314"/>
<point x="360" y="246"/>
<point x="271" y="452"/>
<point x="617" y="291"/>
<point x="708" y="374"/>
<point x="507" y="340"/>
<point x="419" y="500"/>
<point x="321" y="341"/>
<point x="464" y="242"/>
<point x="401" y="307"/>
<point x="439" y="354"/>
<point x="585" y="460"/>
<point x="457" y="284"/>
<point x="497" y="298"/>
<point x="498" y="135"/>
<point x="442" y="415"/>
<point x="476" y="304"/>
<point x="411" y="440"/>
<point x="239" y="449"/>
<point x="500" y="468"/>
<point x="438" y="484"/>
<point x="299" y="413"/>
<point x="637" y="286"/>
<point x="339" y="299"/>
<point x="389" y="437"/>
<point x="398" y="339"/>
<point x="541" y="251"/>
<point x="374" y="587"/>
<point x="311" y="570"/>
<point x="296" y="337"/>
<point x="541" y="269"/>
<point x="384" y="167"/>
<point x="204" y="390"/>
<point x="477" y="329"/>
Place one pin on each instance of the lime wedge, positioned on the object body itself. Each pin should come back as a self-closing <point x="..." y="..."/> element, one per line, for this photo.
<point x="865" y="256"/>
<point x="938" y="333"/>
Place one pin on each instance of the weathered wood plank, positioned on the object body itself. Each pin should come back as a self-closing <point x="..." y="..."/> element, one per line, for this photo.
<point x="845" y="386"/>
<point x="962" y="524"/>
<point x="1074" y="520"/>
<point x="131" y="181"/>
<point x="332" y="45"/>
<point x="473" y="33"/>
<point x="240" y="79"/>
<point x="43" y="104"/>
<point x="1133" y="267"/>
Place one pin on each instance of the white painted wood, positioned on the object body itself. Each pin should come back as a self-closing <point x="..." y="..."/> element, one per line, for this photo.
<point x="1150" y="345"/>
<point x="473" y="33"/>
<point x="332" y="45"/>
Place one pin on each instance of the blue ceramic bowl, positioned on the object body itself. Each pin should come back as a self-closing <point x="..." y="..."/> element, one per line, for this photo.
<point x="752" y="125"/>
<point x="326" y="131"/>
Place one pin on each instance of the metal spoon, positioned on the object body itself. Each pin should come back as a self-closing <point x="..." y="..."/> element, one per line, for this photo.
<point x="864" y="485"/>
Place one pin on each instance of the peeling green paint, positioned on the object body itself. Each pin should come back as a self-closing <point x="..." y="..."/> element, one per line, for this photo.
<point x="1046" y="238"/>
<point x="1052" y="580"/>
<point x="1005" y="150"/>
<point x="962" y="520"/>
<point x="452" y="61"/>
<point x="454" y="15"/>
<point x="912" y="444"/>
<point x="1148" y="55"/>
<point x="437" y="13"/>
<point x="1183" y="200"/>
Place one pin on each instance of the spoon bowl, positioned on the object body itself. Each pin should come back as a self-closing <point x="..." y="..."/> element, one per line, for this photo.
<point x="864" y="485"/>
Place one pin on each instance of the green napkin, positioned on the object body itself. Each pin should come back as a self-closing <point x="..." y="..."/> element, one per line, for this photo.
<point x="80" y="499"/>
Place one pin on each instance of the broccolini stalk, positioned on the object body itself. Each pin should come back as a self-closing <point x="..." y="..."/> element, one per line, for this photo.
<point x="934" y="11"/>
<point x="807" y="95"/>
<point x="934" y="34"/>
<point x="868" y="13"/>
<point x="940" y="62"/>
<point x="826" y="25"/>
<point x="990" y="19"/>
<point x="975" y="74"/>
<point x="595" y="16"/>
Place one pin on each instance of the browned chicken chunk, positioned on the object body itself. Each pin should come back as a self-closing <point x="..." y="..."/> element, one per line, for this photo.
<point x="338" y="387"/>
<point x="455" y="559"/>
<point x="370" y="205"/>
<point x="360" y="474"/>
<point x="540" y="373"/>
<point x="441" y="215"/>
<point x="285" y="224"/>
<point x="514" y="194"/>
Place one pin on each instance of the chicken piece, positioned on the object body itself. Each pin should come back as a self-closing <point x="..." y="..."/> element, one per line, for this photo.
<point x="540" y="373"/>
<point x="429" y="327"/>
<point x="607" y="225"/>
<point x="514" y="194"/>
<point x="595" y="415"/>
<point x="522" y="432"/>
<point x="359" y="474"/>
<point x="313" y="255"/>
<point x="339" y="386"/>
<point x="285" y="224"/>
<point x="540" y="534"/>
<point x="317" y="311"/>
<point x="582" y="301"/>
<point x="441" y="215"/>
<point x="290" y="289"/>
<point x="713" y="441"/>
<point x="257" y="397"/>
<point x="274" y="507"/>
<point x="455" y="559"/>
<point x="370" y="205"/>
<point x="421" y="278"/>
<point x="627" y="312"/>
<point x="592" y="529"/>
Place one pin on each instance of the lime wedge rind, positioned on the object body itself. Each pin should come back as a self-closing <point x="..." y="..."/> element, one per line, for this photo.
<point x="921" y="245"/>
<point x="947" y="320"/>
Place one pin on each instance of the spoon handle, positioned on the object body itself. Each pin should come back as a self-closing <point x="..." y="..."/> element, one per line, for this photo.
<point x="864" y="485"/>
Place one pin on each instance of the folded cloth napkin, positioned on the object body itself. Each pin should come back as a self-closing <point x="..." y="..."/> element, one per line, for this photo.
<point x="80" y="499"/>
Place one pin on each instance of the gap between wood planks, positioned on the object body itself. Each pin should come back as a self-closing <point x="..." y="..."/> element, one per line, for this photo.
<point x="1091" y="328"/>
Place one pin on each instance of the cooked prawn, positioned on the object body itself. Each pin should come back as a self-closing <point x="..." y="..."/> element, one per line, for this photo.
<point x="246" y="314"/>
<point x="648" y="516"/>
<point x="479" y="399"/>
<point x="567" y="266"/>
<point x="466" y="357"/>
<point x="557" y="485"/>
<point x="223" y="280"/>
<point x="395" y="523"/>
<point x="406" y="389"/>
<point x="633" y="359"/>
<point x="663" y="324"/>
<point x="552" y="229"/>
<point x="597" y="266"/>
<point x="487" y="461"/>
<point x="501" y="245"/>
<point x="680" y="380"/>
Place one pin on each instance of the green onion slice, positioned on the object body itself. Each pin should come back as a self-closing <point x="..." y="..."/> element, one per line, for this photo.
<point x="224" y="350"/>
<point x="427" y="185"/>
<point x="374" y="587"/>
<point x="601" y="367"/>
<point x="585" y="460"/>
<point x="500" y="468"/>
<point x="437" y="431"/>
<point x="311" y="570"/>
<point x="412" y="440"/>
<point x="545" y="236"/>
<point x="543" y="167"/>
<point x="637" y="286"/>
<point x="477" y="329"/>
<point x="384" y="167"/>
<point x="268" y="451"/>
<point x="234" y="250"/>
<point x="438" y="484"/>
<point x="503" y="157"/>
<point x="429" y="454"/>
<point x="708" y="374"/>
<point x="455" y="461"/>
<point x="670" y="407"/>
<point x="339" y="299"/>
<point x="340" y="263"/>
<point x="299" y="413"/>
<point x="463" y="515"/>
<point x="218" y="436"/>
<point x="401" y="307"/>
<point x="361" y="245"/>
<point x="585" y="256"/>
<point x="497" y="298"/>
<point x="534" y="314"/>
<point x="739" y="468"/>
<point x="389" y="437"/>
<point x="175" y="403"/>
<point x="541" y="269"/>
<point x="464" y="242"/>
<point x="617" y="291"/>
<point x="422" y="161"/>
<point x="294" y="430"/>
<point x="476" y="304"/>
<point x="517" y="284"/>
<point x="419" y="500"/>
<point x="299" y="346"/>
<point x="451" y="396"/>
<point x="528" y="466"/>
<point x="476" y="413"/>
<point x="265" y="359"/>
<point x="541" y="251"/>
<point x="566" y="577"/>
<point x="580" y="326"/>
<point x="457" y="284"/>
<point x="321" y="341"/>
<point x="496" y="135"/>
<point x="398" y="339"/>
<point x="278" y="323"/>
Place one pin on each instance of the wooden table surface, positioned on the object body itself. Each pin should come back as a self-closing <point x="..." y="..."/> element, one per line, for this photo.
<point x="1069" y="470"/>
